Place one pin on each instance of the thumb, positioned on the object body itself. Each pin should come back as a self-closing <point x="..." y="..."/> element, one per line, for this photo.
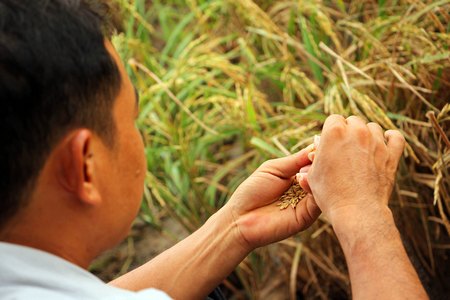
<point x="302" y="179"/>
<point x="307" y="212"/>
<point x="287" y="166"/>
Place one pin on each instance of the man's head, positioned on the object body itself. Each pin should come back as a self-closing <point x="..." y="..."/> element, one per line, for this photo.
<point x="67" y="113"/>
<point x="55" y="75"/>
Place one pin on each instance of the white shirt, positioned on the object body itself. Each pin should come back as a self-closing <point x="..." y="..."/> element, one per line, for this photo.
<point x="28" y="273"/>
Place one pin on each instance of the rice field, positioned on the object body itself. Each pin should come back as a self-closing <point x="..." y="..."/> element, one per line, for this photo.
<point x="227" y="84"/>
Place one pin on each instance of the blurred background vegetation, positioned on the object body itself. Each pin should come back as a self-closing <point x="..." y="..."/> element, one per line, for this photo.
<point x="227" y="84"/>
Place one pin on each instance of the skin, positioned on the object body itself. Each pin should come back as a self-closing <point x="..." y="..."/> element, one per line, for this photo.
<point x="352" y="177"/>
<point x="84" y="180"/>
<point x="249" y="220"/>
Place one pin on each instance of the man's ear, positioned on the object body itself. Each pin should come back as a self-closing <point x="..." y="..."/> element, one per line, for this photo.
<point x="77" y="157"/>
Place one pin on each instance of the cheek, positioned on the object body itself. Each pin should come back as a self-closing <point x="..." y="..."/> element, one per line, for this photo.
<point x="137" y="162"/>
<point x="132" y="175"/>
<point x="140" y="173"/>
<point x="141" y="160"/>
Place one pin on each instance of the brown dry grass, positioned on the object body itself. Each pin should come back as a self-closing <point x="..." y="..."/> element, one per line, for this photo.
<point x="226" y="84"/>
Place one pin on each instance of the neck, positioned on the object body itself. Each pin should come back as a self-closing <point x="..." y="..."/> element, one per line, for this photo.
<point x="47" y="236"/>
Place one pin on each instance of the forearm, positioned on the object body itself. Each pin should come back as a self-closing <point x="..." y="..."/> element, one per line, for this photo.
<point x="377" y="261"/>
<point x="195" y="266"/>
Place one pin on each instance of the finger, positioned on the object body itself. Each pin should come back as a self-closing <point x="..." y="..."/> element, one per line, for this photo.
<point x="311" y="155"/>
<point x="355" y="121"/>
<point x="288" y="166"/>
<point x="335" y="127"/>
<point x="307" y="212"/>
<point x="333" y="120"/>
<point x="302" y="179"/>
<point x="305" y="169"/>
<point x="316" y="141"/>
<point x="396" y="144"/>
<point x="377" y="131"/>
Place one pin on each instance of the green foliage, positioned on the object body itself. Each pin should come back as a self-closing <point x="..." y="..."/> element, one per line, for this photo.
<point x="227" y="84"/>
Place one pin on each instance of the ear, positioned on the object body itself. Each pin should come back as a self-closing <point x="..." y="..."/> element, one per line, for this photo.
<point x="78" y="171"/>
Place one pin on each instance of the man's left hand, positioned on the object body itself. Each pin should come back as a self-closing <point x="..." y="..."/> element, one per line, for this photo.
<point x="258" y="220"/>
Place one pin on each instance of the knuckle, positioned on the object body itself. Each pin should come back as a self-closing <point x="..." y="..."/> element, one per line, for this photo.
<point x="394" y="133"/>
<point x="337" y="130"/>
<point x="362" y="130"/>
<point x="362" y="133"/>
<point x="374" y="124"/>
<point x="356" y="120"/>
<point x="334" y="118"/>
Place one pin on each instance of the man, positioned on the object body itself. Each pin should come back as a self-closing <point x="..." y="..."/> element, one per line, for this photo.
<point x="74" y="166"/>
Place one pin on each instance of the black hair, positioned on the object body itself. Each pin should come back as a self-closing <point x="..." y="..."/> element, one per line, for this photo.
<point x="55" y="76"/>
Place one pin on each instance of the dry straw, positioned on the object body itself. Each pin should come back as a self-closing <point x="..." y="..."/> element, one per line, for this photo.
<point x="227" y="84"/>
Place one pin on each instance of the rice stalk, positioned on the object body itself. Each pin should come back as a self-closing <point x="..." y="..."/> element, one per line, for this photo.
<point x="227" y="84"/>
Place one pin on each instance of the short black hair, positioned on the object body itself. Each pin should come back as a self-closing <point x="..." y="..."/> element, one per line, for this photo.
<point x="55" y="76"/>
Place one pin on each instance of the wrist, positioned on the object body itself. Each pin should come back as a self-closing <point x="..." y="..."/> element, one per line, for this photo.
<point x="225" y="227"/>
<point x="356" y="226"/>
<point x="377" y="261"/>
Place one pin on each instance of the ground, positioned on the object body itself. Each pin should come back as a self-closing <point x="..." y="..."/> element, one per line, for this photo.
<point x="143" y="243"/>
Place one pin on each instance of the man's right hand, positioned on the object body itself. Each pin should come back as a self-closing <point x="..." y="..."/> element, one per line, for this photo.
<point x="354" y="167"/>
<point x="351" y="179"/>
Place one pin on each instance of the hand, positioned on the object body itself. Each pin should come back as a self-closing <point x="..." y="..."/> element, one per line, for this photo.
<point x="354" y="167"/>
<point x="302" y="175"/>
<point x="258" y="221"/>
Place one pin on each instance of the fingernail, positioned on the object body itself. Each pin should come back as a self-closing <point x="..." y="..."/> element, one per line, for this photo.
<point x="299" y="177"/>
<point x="311" y="155"/>
<point x="310" y="147"/>
<point x="316" y="141"/>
